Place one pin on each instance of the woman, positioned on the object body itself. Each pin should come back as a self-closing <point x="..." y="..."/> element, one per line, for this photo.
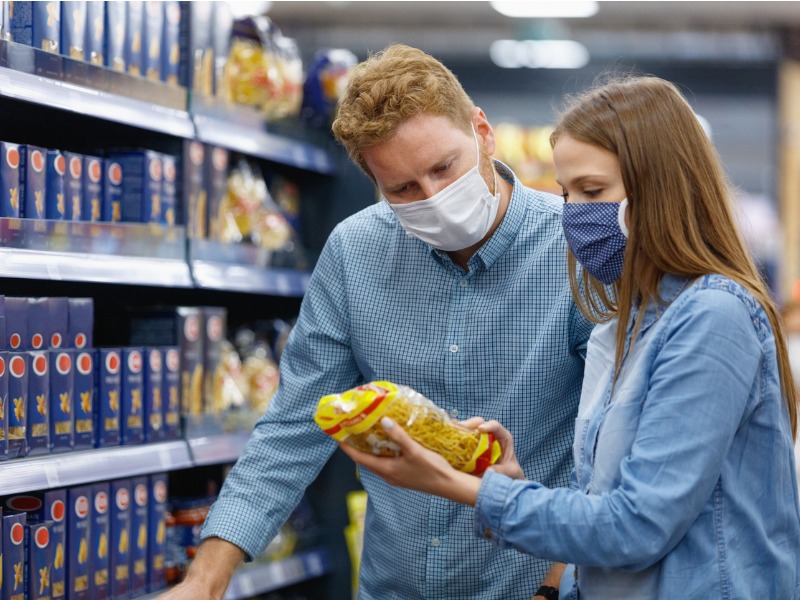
<point x="684" y="482"/>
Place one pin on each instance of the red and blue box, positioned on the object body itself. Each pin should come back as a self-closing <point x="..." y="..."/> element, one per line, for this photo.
<point x="17" y="404"/>
<point x="83" y="399"/>
<point x="73" y="28"/>
<point x="133" y="36"/>
<point x="38" y="316"/>
<point x="16" y="313"/>
<point x="169" y="191"/>
<point x="95" y="33"/>
<point x="215" y="324"/>
<point x="32" y="163"/>
<point x="38" y="427"/>
<point x="13" y="549"/>
<point x="112" y="191"/>
<point x="100" y="547"/>
<point x="157" y="532"/>
<point x="55" y="199"/>
<point x="58" y="321"/>
<point x="141" y="185"/>
<point x="132" y="395"/>
<point x="62" y="409"/>
<point x="153" y="394"/>
<point x="36" y="24"/>
<point x="152" y="37"/>
<point x="80" y="323"/>
<point x="120" y="542"/>
<point x="40" y="556"/>
<point x="73" y="185"/>
<point x="171" y="395"/>
<point x="217" y="176"/>
<point x="10" y="193"/>
<point x="115" y="31"/>
<point x="170" y="43"/>
<point x="79" y="501"/>
<point x="108" y="383"/>
<point x="4" y="405"/>
<point x="194" y="209"/>
<point x="92" y="209"/>
<point x="140" y="490"/>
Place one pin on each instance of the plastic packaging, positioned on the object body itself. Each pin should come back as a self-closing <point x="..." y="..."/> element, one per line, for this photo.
<point x="354" y="416"/>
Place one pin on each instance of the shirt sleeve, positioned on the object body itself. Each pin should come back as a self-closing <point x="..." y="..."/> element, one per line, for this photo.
<point x="287" y="449"/>
<point x="698" y="394"/>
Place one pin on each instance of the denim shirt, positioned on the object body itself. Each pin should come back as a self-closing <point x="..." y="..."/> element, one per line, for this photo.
<point x="684" y="481"/>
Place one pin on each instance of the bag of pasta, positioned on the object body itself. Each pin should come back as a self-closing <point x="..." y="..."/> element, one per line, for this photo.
<point x="355" y="416"/>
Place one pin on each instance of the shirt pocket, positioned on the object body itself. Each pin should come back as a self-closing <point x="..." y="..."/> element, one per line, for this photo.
<point x="615" y="438"/>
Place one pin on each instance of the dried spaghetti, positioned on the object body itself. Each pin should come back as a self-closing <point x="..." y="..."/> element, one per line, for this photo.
<point x="353" y="416"/>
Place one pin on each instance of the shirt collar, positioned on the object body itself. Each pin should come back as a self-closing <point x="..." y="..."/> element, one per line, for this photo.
<point x="506" y="232"/>
<point x="669" y="289"/>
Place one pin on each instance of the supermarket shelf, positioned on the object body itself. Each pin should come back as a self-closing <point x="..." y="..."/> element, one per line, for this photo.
<point x="242" y="129"/>
<point x="257" y="579"/>
<point x="94" y="252"/>
<point x="217" y="449"/>
<point x="85" y="466"/>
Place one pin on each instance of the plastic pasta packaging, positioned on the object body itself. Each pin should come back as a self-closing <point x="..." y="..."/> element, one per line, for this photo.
<point x="355" y="416"/>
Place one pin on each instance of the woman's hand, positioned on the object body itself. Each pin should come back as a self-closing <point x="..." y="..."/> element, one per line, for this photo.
<point x="417" y="468"/>
<point x="507" y="464"/>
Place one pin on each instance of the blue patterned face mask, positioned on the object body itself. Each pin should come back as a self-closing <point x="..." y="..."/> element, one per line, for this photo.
<point x="596" y="235"/>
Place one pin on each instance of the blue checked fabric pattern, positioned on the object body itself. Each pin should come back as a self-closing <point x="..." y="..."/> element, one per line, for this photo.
<point x="502" y="341"/>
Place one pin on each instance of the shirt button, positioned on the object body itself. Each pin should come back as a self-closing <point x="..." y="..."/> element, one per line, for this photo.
<point x="454" y="348"/>
<point x="487" y="533"/>
<point x="464" y="283"/>
<point x="435" y="542"/>
<point x="454" y="412"/>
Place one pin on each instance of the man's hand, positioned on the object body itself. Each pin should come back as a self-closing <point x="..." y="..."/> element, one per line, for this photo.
<point x="210" y="572"/>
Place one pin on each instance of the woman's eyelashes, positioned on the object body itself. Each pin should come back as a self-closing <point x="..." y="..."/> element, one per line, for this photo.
<point x="593" y="194"/>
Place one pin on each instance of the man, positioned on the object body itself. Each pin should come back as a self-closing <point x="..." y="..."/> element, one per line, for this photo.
<point x="456" y="285"/>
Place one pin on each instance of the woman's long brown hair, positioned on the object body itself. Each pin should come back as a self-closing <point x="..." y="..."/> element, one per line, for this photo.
<point x="681" y="219"/>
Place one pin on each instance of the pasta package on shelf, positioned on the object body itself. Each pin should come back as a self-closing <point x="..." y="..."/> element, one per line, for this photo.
<point x="354" y="416"/>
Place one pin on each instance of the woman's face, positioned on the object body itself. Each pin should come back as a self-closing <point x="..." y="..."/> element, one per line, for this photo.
<point x="587" y="173"/>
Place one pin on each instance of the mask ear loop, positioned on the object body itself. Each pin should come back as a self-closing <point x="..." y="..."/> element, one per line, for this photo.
<point x="478" y="151"/>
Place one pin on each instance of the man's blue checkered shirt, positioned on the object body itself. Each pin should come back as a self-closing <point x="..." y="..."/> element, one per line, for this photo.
<point x="503" y="341"/>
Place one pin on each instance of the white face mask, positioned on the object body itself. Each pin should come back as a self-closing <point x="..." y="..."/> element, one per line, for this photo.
<point x="456" y="217"/>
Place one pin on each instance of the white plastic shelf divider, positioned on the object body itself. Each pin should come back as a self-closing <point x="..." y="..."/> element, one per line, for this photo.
<point x="254" y="280"/>
<point x="258" y="579"/>
<point x="217" y="449"/>
<point x="86" y="466"/>
<point x="94" y="103"/>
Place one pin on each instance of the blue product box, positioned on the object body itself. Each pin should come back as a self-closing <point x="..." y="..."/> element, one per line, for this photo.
<point x="95" y="32"/>
<point x="132" y="393"/>
<point x="47" y="507"/>
<point x="100" y="547"/>
<point x="58" y="319"/>
<point x="78" y="542"/>
<point x="4" y="406"/>
<point x="172" y="392"/>
<point x="83" y="399"/>
<point x="38" y="403"/>
<point x="13" y="547"/>
<point x="39" y="556"/>
<point x="37" y="24"/>
<point x="141" y="185"/>
<point x="62" y="420"/>
<point x="194" y="189"/>
<point x="80" y="322"/>
<point x="17" y="404"/>
<point x="10" y="194"/>
<point x="16" y="313"/>
<point x="116" y="19"/>
<point x="170" y="43"/>
<point x="169" y="192"/>
<point x="112" y="191"/>
<point x="5" y="34"/>
<point x="215" y="319"/>
<point x="92" y="188"/>
<point x="108" y="371"/>
<point x="54" y="198"/>
<point x="73" y="185"/>
<point x="38" y="334"/>
<point x="217" y="177"/>
<point x="32" y="180"/>
<point x="120" y="541"/>
<point x="73" y="28"/>
<point x="221" y="30"/>
<point x="152" y="34"/>
<point x="153" y="390"/>
<point x="140" y="490"/>
<point x="157" y="532"/>
<point x="133" y="36"/>
<point x="196" y="69"/>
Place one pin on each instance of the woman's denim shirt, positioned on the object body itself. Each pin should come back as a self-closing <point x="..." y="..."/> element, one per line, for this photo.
<point x="684" y="470"/>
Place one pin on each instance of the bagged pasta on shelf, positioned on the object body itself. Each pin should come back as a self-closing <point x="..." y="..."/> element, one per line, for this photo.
<point x="325" y="82"/>
<point x="354" y="416"/>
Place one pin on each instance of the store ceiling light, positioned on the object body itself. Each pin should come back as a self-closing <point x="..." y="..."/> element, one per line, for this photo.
<point x="545" y="10"/>
<point x="539" y="54"/>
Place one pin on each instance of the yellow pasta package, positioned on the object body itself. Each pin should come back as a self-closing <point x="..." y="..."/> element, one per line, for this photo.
<point x="354" y="416"/>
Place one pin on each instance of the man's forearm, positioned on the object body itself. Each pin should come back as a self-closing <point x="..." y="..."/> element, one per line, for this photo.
<point x="210" y="572"/>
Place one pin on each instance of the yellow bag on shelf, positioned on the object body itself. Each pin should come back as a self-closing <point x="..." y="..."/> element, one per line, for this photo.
<point x="354" y="416"/>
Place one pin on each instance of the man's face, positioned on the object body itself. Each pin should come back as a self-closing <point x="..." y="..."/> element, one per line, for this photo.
<point x="426" y="154"/>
